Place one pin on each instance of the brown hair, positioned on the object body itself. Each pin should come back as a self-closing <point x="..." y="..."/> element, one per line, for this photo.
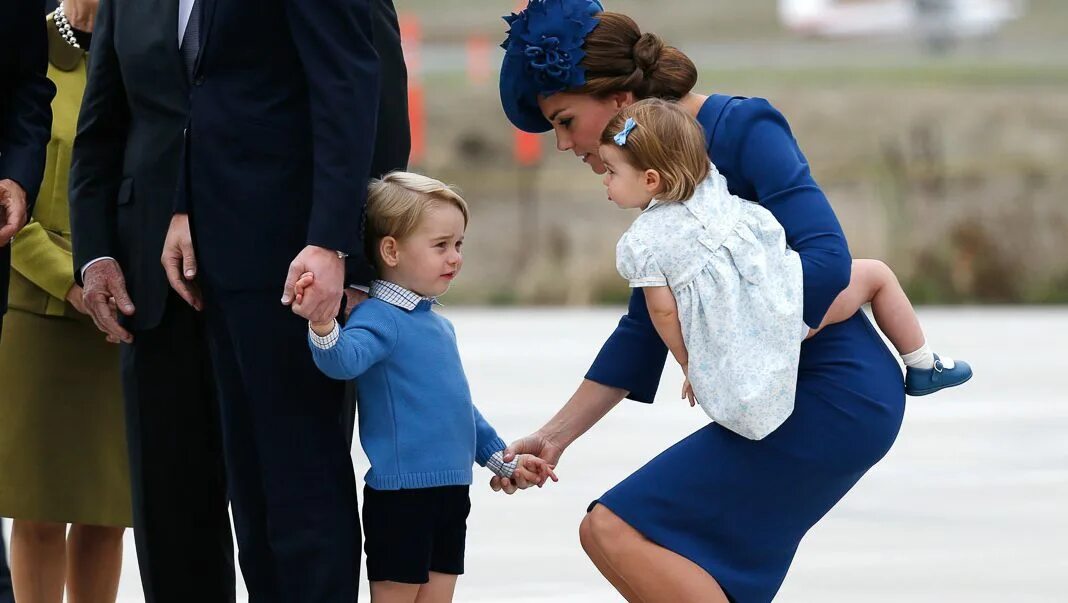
<point x="396" y="203"/>
<point x="620" y="58"/>
<point x="665" y="138"/>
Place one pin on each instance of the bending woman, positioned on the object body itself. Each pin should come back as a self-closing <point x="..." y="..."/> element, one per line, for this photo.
<point x="716" y="517"/>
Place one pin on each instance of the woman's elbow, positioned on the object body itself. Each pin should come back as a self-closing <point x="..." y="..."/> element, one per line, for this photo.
<point x="841" y="273"/>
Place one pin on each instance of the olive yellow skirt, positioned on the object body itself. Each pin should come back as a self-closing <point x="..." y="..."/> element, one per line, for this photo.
<point x="62" y="433"/>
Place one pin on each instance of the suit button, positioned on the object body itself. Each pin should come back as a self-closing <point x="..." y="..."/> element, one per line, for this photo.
<point x="198" y="80"/>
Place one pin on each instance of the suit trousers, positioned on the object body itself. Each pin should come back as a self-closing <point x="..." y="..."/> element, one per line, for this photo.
<point x="6" y="594"/>
<point x="181" y="522"/>
<point x="292" y="487"/>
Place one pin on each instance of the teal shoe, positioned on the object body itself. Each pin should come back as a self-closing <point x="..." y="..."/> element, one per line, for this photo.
<point x="920" y="382"/>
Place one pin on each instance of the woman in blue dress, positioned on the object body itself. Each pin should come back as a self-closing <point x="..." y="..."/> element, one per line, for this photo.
<point x="716" y="517"/>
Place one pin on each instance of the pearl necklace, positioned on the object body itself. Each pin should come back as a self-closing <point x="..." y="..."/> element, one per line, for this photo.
<point x="65" y="29"/>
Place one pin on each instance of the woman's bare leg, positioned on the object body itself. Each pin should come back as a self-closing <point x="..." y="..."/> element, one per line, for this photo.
<point x="384" y="591"/>
<point x="38" y="561"/>
<point x="649" y="572"/>
<point x="94" y="563"/>
<point x="873" y="281"/>
<point x="596" y="554"/>
<point x="440" y="589"/>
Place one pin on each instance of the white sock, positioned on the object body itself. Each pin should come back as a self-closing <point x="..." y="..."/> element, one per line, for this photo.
<point x="922" y="358"/>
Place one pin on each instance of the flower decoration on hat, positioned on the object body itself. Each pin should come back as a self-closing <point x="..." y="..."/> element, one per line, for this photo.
<point x="547" y="37"/>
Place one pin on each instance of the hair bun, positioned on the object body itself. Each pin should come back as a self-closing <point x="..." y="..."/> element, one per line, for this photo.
<point x="647" y="52"/>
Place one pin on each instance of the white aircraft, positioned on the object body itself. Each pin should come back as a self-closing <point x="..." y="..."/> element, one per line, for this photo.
<point x="939" y="22"/>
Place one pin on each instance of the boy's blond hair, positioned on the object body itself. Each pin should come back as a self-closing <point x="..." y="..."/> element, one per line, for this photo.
<point x="397" y="201"/>
<point x="666" y="139"/>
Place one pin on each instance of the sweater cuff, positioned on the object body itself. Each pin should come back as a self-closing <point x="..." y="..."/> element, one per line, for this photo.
<point x="483" y="454"/>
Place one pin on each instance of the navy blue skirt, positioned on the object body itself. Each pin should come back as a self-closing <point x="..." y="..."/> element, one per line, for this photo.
<point x="739" y="508"/>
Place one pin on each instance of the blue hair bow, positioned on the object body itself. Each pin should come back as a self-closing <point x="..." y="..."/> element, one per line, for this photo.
<point x="621" y="137"/>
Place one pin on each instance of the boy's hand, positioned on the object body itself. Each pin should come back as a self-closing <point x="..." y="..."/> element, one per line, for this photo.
<point x="306" y="280"/>
<point x="534" y="470"/>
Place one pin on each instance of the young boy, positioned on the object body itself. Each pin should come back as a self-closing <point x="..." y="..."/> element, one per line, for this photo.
<point x="418" y="425"/>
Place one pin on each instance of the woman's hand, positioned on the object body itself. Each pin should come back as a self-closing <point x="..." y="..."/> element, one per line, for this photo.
<point x="74" y="297"/>
<point x="81" y="13"/>
<point x="536" y="444"/>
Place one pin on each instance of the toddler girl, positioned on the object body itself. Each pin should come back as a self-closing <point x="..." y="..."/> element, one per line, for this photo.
<point x="723" y="289"/>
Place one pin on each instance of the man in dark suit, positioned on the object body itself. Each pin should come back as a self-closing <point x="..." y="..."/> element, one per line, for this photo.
<point x="124" y="173"/>
<point x="25" y="127"/>
<point x="278" y="151"/>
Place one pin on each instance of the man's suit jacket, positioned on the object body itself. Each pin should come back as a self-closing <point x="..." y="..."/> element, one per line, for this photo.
<point x="25" y="114"/>
<point x="393" y="140"/>
<point x="124" y="166"/>
<point x="126" y="157"/>
<point x="280" y="136"/>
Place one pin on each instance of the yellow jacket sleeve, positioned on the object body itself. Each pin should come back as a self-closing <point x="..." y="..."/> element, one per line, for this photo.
<point x="44" y="259"/>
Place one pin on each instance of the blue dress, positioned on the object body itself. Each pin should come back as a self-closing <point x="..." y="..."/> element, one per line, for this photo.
<point x="737" y="507"/>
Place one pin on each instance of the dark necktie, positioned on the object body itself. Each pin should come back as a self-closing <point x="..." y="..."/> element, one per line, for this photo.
<point x="191" y="40"/>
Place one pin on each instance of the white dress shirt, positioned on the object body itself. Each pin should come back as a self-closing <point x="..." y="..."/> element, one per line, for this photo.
<point x="185" y="8"/>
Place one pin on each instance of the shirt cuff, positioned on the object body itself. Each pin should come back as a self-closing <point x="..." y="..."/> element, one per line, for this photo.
<point x="91" y="262"/>
<point x="497" y="465"/>
<point x="324" y="342"/>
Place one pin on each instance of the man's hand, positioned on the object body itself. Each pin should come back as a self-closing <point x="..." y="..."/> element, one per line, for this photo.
<point x="12" y="210"/>
<point x="179" y="261"/>
<point x="104" y="295"/>
<point x="535" y="444"/>
<point x="319" y="303"/>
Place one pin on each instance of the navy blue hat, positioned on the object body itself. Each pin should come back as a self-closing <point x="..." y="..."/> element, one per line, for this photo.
<point x="542" y="55"/>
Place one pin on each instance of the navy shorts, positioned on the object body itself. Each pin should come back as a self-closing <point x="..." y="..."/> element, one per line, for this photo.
<point x="410" y="533"/>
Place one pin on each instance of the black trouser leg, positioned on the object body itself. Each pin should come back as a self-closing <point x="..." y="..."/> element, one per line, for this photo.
<point x="181" y="523"/>
<point x="291" y="479"/>
<point x="6" y="594"/>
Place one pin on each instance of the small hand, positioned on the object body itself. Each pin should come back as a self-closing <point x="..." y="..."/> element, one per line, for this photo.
<point x="180" y="262"/>
<point x="534" y="470"/>
<point x="687" y="393"/>
<point x="12" y="210"/>
<point x="104" y="296"/>
<point x="306" y="280"/>
<point x="536" y="444"/>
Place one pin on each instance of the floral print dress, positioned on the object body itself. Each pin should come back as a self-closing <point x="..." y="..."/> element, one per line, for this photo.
<point x="739" y="290"/>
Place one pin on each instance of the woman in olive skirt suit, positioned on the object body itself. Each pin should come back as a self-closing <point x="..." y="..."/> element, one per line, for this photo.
<point x="62" y="442"/>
